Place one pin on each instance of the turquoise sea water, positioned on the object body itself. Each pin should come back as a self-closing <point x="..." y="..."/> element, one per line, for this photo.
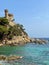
<point x="33" y="54"/>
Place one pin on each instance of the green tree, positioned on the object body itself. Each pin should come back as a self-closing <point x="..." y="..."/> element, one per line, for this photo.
<point x="3" y="27"/>
<point x="4" y="21"/>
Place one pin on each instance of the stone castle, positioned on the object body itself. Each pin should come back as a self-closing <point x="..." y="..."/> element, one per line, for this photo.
<point x="9" y="17"/>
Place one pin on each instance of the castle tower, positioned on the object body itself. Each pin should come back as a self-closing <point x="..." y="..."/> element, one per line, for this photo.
<point x="6" y="13"/>
<point x="9" y="17"/>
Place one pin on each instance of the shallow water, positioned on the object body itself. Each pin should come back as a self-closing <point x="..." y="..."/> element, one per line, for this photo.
<point x="33" y="54"/>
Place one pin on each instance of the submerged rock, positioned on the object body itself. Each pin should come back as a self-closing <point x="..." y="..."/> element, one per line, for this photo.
<point x="14" y="57"/>
<point x="10" y="58"/>
<point x="3" y="57"/>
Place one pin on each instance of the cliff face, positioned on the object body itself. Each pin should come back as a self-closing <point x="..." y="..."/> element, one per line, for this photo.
<point x="19" y="40"/>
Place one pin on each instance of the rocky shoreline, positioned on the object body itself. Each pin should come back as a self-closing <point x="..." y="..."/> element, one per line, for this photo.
<point x="39" y="41"/>
<point x="20" y="40"/>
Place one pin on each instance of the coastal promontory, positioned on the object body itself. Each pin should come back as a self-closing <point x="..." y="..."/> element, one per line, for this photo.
<point x="10" y="32"/>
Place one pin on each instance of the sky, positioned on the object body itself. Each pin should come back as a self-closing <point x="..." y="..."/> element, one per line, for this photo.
<point x="32" y="14"/>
